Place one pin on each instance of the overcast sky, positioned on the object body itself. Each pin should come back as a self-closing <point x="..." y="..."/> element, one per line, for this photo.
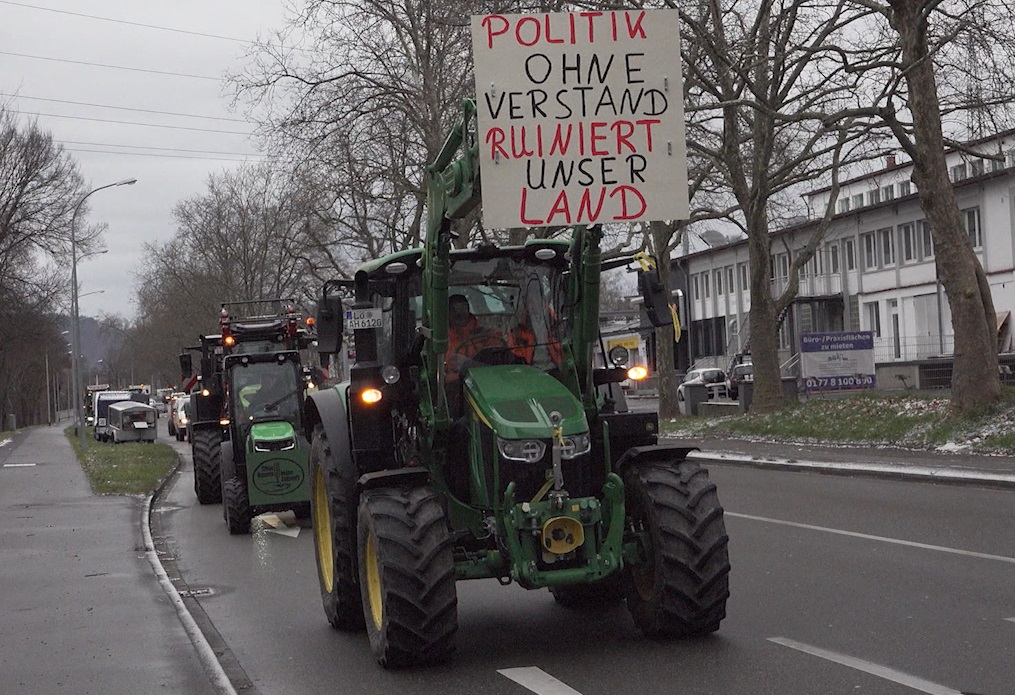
<point x="58" y="31"/>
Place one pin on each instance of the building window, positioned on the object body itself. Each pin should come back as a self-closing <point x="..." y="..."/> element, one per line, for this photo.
<point x="705" y="284"/>
<point x="858" y="201"/>
<point x="870" y="250"/>
<point x="888" y="193"/>
<point x="996" y="165"/>
<point x="843" y="204"/>
<point x="927" y="249"/>
<point x="745" y="281"/>
<point x="718" y="283"/>
<point x="886" y="244"/>
<point x="873" y="313"/>
<point x="874" y="197"/>
<point x="910" y="243"/>
<point x="973" y="228"/>
<point x="850" y="255"/>
<point x="905" y="188"/>
<point x="976" y="167"/>
<point x="730" y="287"/>
<point x="833" y="259"/>
<point x="957" y="172"/>
<point x="695" y="287"/>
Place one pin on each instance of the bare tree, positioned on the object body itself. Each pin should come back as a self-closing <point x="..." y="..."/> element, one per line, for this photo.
<point x="359" y="95"/>
<point x="254" y="234"/>
<point x="39" y="183"/>
<point x="764" y="78"/>
<point x="936" y="61"/>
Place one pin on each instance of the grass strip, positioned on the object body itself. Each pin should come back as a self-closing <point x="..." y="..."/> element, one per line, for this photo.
<point x="912" y="420"/>
<point x="132" y="468"/>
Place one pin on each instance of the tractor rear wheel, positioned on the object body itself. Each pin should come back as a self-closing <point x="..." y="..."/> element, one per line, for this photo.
<point x="608" y="592"/>
<point x="333" y="510"/>
<point x="682" y="587"/>
<point x="206" y="450"/>
<point x="237" y="506"/>
<point x="407" y="576"/>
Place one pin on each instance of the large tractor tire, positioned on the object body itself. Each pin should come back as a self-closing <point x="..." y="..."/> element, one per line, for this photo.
<point x="682" y="588"/>
<point x="333" y="503"/>
<point x="608" y="592"/>
<point x="407" y="576"/>
<point x="236" y="505"/>
<point x="206" y="452"/>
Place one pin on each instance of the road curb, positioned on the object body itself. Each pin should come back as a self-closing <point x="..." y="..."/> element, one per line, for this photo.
<point x="952" y="476"/>
<point x="206" y="654"/>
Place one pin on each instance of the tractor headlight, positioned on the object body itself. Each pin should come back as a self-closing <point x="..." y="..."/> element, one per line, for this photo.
<point x="576" y="445"/>
<point x="528" y="450"/>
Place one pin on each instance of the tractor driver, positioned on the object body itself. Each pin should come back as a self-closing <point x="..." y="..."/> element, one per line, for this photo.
<point x="522" y="339"/>
<point x="271" y="391"/>
<point x="466" y="336"/>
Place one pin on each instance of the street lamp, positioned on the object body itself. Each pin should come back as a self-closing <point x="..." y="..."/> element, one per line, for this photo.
<point x="76" y="325"/>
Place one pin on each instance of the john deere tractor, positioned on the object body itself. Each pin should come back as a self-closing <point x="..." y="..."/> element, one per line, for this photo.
<point x="447" y="456"/>
<point x="248" y="445"/>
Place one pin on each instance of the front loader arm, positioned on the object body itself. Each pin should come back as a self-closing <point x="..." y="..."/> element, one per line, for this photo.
<point x="453" y="190"/>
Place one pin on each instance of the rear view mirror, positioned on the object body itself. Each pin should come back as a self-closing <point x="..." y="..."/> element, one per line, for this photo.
<point x="186" y="366"/>
<point x="330" y="323"/>
<point x="656" y="302"/>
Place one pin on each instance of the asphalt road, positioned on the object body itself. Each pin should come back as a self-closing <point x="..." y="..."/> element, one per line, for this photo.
<point x="839" y="585"/>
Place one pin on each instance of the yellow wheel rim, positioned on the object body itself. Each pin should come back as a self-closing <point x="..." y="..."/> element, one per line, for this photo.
<point x="322" y="530"/>
<point x="373" y="573"/>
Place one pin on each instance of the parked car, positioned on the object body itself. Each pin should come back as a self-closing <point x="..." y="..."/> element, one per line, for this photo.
<point x="709" y="376"/>
<point x="741" y="374"/>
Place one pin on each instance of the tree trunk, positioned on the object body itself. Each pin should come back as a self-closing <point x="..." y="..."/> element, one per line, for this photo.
<point x="666" y="374"/>
<point x="764" y="336"/>
<point x="975" y="380"/>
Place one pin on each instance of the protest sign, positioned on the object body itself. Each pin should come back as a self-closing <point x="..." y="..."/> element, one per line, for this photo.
<point x="580" y="118"/>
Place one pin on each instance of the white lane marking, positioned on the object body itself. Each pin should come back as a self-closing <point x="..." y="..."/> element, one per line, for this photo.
<point x="883" y="539"/>
<point x="18" y="465"/>
<point x="924" y="686"/>
<point x="6" y="441"/>
<point x="1010" y="620"/>
<point x="537" y="680"/>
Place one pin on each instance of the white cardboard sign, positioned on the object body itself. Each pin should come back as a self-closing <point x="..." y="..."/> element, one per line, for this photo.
<point x="580" y="118"/>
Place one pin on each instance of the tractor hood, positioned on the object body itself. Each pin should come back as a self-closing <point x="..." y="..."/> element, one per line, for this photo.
<point x="274" y="435"/>
<point x="515" y="401"/>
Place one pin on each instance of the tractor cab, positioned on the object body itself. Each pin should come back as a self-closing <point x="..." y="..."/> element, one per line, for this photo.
<point x="264" y="458"/>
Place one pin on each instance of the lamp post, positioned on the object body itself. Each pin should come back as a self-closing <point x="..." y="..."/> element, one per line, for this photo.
<point x="76" y="389"/>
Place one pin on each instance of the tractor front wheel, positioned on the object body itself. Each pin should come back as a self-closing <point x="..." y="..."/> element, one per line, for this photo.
<point x="682" y="587"/>
<point x="206" y="449"/>
<point x="333" y="510"/>
<point x="236" y="506"/>
<point x="407" y="576"/>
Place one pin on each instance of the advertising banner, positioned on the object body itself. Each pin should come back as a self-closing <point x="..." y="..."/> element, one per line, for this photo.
<point x="837" y="361"/>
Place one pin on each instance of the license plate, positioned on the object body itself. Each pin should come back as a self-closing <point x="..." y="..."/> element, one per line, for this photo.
<point x="363" y="318"/>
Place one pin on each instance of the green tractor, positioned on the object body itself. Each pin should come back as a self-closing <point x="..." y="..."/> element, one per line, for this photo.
<point x="248" y="445"/>
<point x="474" y="439"/>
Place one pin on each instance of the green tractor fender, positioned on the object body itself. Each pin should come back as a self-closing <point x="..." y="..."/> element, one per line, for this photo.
<point x="655" y="452"/>
<point x="327" y="408"/>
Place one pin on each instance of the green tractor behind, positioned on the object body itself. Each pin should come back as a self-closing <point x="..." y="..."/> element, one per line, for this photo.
<point x="248" y="446"/>
<point x="501" y="454"/>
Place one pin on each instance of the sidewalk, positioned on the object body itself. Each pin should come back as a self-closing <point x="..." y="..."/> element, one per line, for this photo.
<point x="82" y="610"/>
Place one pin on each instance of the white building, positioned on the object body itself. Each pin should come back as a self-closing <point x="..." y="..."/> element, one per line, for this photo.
<point x="873" y="271"/>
